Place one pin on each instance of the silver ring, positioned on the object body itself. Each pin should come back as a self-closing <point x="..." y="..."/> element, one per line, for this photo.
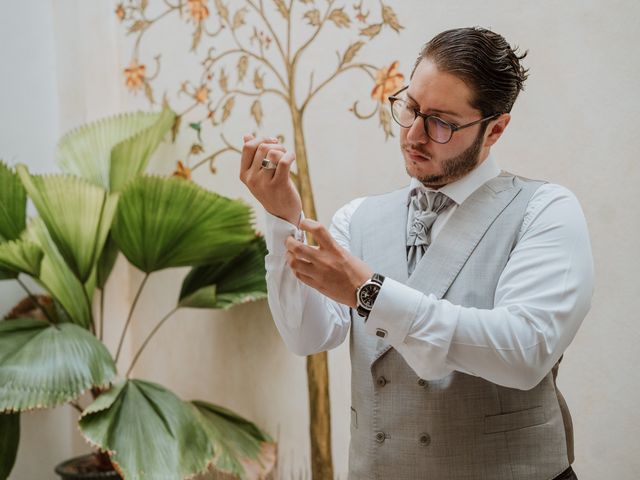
<point x="267" y="165"/>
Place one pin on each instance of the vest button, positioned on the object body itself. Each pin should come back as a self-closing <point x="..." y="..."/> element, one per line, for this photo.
<point x="381" y="381"/>
<point x="422" y="383"/>
<point x="380" y="437"/>
<point x="425" y="439"/>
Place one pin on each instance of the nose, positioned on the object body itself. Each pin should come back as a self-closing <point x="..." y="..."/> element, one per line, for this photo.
<point x="416" y="132"/>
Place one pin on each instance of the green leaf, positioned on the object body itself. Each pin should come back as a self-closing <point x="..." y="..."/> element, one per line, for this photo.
<point x="106" y="261"/>
<point x="13" y="204"/>
<point x="147" y="431"/>
<point x="77" y="214"/>
<point x="9" y="440"/>
<point x="241" y="447"/>
<point x="44" y="365"/>
<point x="228" y="282"/>
<point x="21" y="256"/>
<point x="114" y="150"/>
<point x="58" y="279"/>
<point x="164" y="222"/>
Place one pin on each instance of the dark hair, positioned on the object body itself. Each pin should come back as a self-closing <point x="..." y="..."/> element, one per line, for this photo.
<point x="484" y="61"/>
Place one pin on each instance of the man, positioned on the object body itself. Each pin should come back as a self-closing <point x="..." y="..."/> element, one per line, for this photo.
<point x="461" y="291"/>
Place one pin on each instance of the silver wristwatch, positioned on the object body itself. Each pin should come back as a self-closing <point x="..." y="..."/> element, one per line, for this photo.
<point x="367" y="293"/>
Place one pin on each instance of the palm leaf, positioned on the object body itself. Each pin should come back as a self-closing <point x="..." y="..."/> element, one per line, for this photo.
<point x="9" y="440"/>
<point x="241" y="448"/>
<point x="13" y="204"/>
<point x="166" y="222"/>
<point x="106" y="261"/>
<point x="77" y="214"/>
<point x="147" y="431"/>
<point x="228" y="282"/>
<point x="112" y="151"/>
<point x="21" y="256"/>
<point x="44" y="365"/>
<point x="58" y="279"/>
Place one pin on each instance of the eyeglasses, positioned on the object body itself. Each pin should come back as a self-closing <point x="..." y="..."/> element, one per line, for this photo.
<point x="438" y="130"/>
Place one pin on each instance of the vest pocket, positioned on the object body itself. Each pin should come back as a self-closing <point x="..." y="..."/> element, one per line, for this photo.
<point x="506" y="422"/>
<point x="354" y="418"/>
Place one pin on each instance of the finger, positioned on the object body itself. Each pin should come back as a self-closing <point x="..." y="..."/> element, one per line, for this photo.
<point x="246" y="137"/>
<point x="249" y="151"/>
<point x="284" y="167"/>
<point x="299" y="250"/>
<point x="306" y="279"/>
<point x="262" y="152"/>
<point x="299" y="265"/>
<point x="319" y="232"/>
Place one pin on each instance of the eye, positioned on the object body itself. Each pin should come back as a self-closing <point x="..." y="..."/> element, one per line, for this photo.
<point x="440" y="123"/>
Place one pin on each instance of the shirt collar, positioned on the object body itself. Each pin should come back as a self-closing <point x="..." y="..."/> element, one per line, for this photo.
<point x="461" y="189"/>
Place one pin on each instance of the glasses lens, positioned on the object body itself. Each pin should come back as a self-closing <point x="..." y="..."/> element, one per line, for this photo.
<point x="438" y="130"/>
<point x="402" y="113"/>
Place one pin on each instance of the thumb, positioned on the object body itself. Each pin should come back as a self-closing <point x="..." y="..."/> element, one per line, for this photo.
<point x="246" y="137"/>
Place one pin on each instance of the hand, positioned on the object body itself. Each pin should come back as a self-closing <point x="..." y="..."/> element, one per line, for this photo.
<point x="328" y="268"/>
<point x="274" y="189"/>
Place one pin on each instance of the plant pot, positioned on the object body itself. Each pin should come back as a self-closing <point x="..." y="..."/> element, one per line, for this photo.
<point x="86" y="467"/>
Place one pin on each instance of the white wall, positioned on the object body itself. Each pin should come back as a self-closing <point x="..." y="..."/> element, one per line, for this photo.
<point x="576" y="124"/>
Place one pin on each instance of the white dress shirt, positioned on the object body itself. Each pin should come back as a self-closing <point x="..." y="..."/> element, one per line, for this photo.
<point x="541" y="298"/>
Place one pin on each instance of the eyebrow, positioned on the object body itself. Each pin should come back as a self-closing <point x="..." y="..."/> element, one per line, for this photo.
<point x="436" y="110"/>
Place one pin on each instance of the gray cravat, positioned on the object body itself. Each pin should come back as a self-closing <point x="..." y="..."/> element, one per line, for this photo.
<point x="426" y="206"/>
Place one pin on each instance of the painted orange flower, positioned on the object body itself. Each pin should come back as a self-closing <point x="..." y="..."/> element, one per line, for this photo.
<point x="120" y="12"/>
<point x="202" y="94"/>
<point x="134" y="75"/>
<point x="388" y="80"/>
<point x="182" y="171"/>
<point x="198" y="9"/>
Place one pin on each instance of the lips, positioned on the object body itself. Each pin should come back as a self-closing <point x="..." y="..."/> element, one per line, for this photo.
<point x="417" y="156"/>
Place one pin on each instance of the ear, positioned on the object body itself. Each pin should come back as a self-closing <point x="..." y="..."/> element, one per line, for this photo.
<point x="496" y="128"/>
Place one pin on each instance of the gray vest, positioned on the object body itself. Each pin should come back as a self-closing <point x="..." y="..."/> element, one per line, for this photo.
<point x="461" y="426"/>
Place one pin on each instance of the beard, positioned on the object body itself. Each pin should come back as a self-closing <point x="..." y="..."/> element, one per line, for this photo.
<point x="453" y="168"/>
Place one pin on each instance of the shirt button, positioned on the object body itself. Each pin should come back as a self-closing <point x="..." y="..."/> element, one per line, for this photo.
<point x="422" y="383"/>
<point x="380" y="437"/>
<point x="425" y="439"/>
<point x="381" y="381"/>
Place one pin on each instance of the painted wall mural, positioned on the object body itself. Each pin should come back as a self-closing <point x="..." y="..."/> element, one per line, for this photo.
<point x="248" y="50"/>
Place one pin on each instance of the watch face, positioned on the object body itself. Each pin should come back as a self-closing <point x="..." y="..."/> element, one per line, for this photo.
<point x="368" y="294"/>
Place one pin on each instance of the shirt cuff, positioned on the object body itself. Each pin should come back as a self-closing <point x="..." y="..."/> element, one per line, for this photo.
<point x="394" y="312"/>
<point x="277" y="232"/>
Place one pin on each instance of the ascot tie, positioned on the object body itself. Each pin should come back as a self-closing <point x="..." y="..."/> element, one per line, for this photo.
<point x="427" y="205"/>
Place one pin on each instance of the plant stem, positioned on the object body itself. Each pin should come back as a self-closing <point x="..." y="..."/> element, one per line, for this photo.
<point x="102" y="313"/>
<point x="35" y="300"/>
<point x="126" y="325"/>
<point x="76" y="406"/>
<point x="146" y="340"/>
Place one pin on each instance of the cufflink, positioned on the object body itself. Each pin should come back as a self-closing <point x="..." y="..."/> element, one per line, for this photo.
<point x="381" y="332"/>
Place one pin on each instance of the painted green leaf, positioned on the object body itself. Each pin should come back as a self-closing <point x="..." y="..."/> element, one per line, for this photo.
<point x="44" y="365"/>
<point x="241" y="448"/>
<point x="148" y="432"/>
<point x="77" y="214"/>
<point x="21" y="256"/>
<point x="58" y="279"/>
<point x="114" y="150"/>
<point x="227" y="282"/>
<point x="13" y="204"/>
<point x="164" y="222"/>
<point x="9" y="440"/>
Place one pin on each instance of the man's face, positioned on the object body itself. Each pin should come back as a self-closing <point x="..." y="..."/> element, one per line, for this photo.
<point x="435" y="92"/>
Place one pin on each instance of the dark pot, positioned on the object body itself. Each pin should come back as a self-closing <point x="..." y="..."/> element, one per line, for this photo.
<point x="87" y="467"/>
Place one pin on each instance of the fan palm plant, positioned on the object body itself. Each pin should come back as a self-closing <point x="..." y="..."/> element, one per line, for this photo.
<point x="101" y="205"/>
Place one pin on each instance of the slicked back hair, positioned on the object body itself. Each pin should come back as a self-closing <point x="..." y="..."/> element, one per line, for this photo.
<point x="484" y="61"/>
